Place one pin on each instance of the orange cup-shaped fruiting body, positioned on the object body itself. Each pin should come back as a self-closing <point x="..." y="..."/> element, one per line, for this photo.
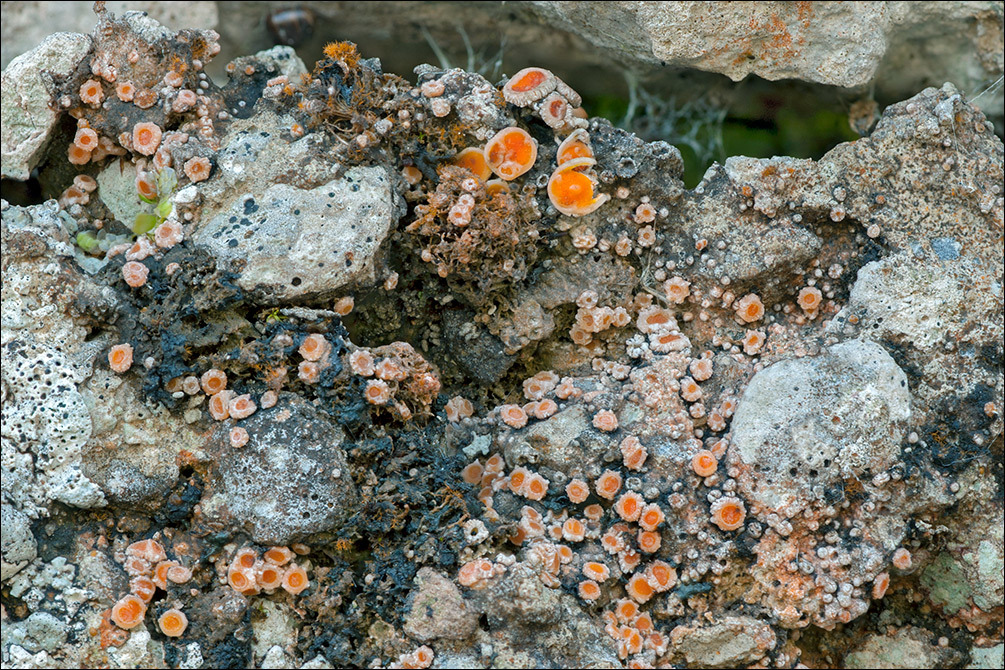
<point x="161" y="572"/>
<point x="213" y="381"/>
<point x="242" y="580"/>
<point x="576" y="145"/>
<point x="529" y="85"/>
<point x="626" y="610"/>
<point x="577" y="490"/>
<point x="239" y="437"/>
<point x="513" y="415"/>
<point x="536" y="487"/>
<point x="633" y="453"/>
<point x="704" y="463"/>
<point x="197" y="169"/>
<point x="572" y="191"/>
<point x="639" y="589"/>
<point x="880" y="585"/>
<point x="902" y="559"/>
<point x="473" y="159"/>
<point x="589" y="590"/>
<point x="749" y="308"/>
<point x="511" y="153"/>
<point x="573" y="530"/>
<point x="295" y="579"/>
<point x="142" y="587"/>
<point x="128" y="612"/>
<point x="135" y="273"/>
<point x="173" y="623"/>
<point x="728" y="513"/>
<point x="472" y="472"/>
<point x="605" y="420"/>
<point x="809" y="299"/>
<point x="314" y="347"/>
<point x="91" y="92"/>
<point x="120" y="357"/>
<point x="629" y="506"/>
<point x="149" y="550"/>
<point x="146" y="185"/>
<point x="86" y="139"/>
<point x="495" y="187"/>
<point x="598" y="572"/>
<point x="77" y="156"/>
<point x="278" y="555"/>
<point x="146" y="138"/>
<point x="608" y="484"/>
<point x="245" y="558"/>
<point x="651" y="517"/>
<point x="241" y="407"/>
<point x="649" y="541"/>
<point x="661" y="575"/>
<point x="518" y="480"/>
<point x="269" y="576"/>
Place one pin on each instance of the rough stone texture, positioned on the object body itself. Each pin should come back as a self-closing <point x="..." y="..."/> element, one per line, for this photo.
<point x="970" y="571"/>
<point x="39" y="632"/>
<point x="28" y="120"/>
<point x="46" y="356"/>
<point x="986" y="658"/>
<point x="849" y="432"/>
<point x="827" y="42"/>
<point x="908" y="648"/>
<point x="437" y="610"/>
<point x="829" y="418"/>
<point x="531" y="625"/>
<point x="291" y="480"/>
<point x="26" y="24"/>
<point x="127" y="455"/>
<point x="731" y="642"/>
<point x="307" y="235"/>
<point x="18" y="544"/>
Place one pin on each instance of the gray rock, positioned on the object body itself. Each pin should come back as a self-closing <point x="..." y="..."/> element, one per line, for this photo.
<point x="809" y="423"/>
<point x="295" y="242"/>
<point x="971" y="568"/>
<point x="117" y="190"/>
<point x="732" y="641"/>
<point x="989" y="658"/>
<point x="274" y="627"/>
<point x="42" y="631"/>
<point x="133" y="452"/>
<point x="25" y="24"/>
<point x="46" y="356"/>
<point x="28" y="119"/>
<point x="437" y="610"/>
<point x="909" y="647"/>
<point x="279" y="216"/>
<point x="17" y="543"/>
<point x="291" y="479"/>
<point x="285" y="59"/>
<point x="827" y="42"/>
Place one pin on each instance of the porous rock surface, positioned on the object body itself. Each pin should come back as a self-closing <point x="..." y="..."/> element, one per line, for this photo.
<point x="757" y="422"/>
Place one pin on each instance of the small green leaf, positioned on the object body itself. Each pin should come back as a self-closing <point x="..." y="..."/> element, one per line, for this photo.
<point x="86" y="241"/>
<point x="144" y="223"/>
<point x="149" y="201"/>
<point x="166" y="182"/>
<point x="164" y="208"/>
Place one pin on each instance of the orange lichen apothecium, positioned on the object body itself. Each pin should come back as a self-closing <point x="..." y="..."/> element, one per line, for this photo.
<point x="572" y="191"/>
<point x="129" y="611"/>
<point x="576" y="145"/>
<point x="473" y="159"/>
<point x="511" y="153"/>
